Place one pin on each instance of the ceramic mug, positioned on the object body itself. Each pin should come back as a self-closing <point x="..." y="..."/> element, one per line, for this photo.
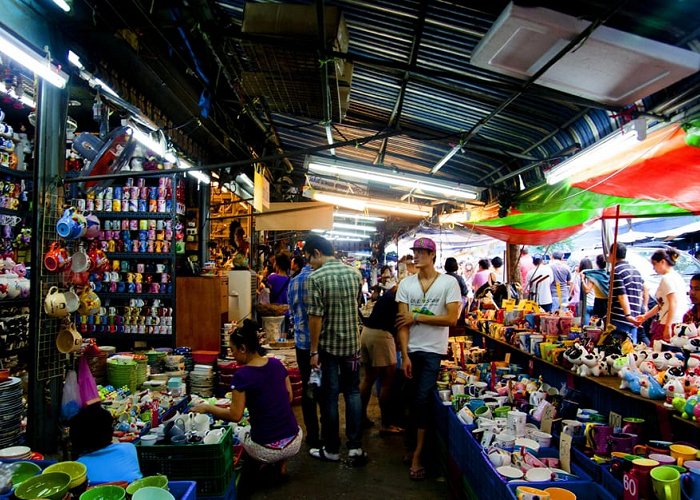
<point x="68" y="339"/>
<point x="573" y="428"/>
<point x="633" y="425"/>
<point x="682" y="452"/>
<point x="213" y="436"/>
<point x="55" y="304"/>
<point x="80" y="261"/>
<point x="90" y="303"/>
<point x="505" y="440"/>
<point x="598" y="438"/>
<point x="530" y="493"/>
<point x="666" y="483"/>
<point x="57" y="258"/>
<point x="622" y="442"/>
<point x="659" y="447"/>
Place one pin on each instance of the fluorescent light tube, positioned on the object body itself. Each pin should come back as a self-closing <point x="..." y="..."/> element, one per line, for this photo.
<point x="446" y="158"/>
<point x="345" y="215"/>
<point x="351" y="203"/>
<point x="450" y="190"/>
<point x="148" y="141"/>
<point x="96" y="82"/>
<point x="74" y="59"/>
<point x="27" y="57"/>
<point x="24" y="99"/>
<point x="199" y="176"/>
<point x="349" y="234"/>
<point x="359" y="227"/>
<point x="244" y="179"/>
<point x="63" y="5"/>
<point x="595" y="156"/>
<point x="361" y="204"/>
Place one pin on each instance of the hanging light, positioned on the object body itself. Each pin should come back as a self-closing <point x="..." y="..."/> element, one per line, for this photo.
<point x="27" y="57"/>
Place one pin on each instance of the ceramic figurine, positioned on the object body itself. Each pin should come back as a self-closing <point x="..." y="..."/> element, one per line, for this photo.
<point x="674" y="390"/>
<point x="689" y="408"/>
<point x="590" y="366"/>
<point x="650" y="388"/>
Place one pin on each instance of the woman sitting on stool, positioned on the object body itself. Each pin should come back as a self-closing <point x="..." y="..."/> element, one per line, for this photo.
<point x="263" y="386"/>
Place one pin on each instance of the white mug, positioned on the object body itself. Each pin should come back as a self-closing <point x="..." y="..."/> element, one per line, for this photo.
<point x="516" y="422"/>
<point x="213" y="436"/>
<point x="505" y="440"/>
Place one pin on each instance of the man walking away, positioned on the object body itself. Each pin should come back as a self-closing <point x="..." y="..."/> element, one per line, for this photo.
<point x="332" y="305"/>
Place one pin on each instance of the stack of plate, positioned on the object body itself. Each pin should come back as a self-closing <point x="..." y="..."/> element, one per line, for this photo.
<point x="11" y="408"/>
<point x="122" y="373"/>
<point x="141" y="369"/>
<point x="16" y="453"/>
<point x="97" y="361"/>
<point x="202" y="381"/>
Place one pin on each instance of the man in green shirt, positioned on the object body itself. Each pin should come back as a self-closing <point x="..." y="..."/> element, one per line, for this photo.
<point x="333" y="290"/>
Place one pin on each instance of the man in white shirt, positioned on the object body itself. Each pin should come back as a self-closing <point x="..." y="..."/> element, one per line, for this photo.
<point x="429" y="304"/>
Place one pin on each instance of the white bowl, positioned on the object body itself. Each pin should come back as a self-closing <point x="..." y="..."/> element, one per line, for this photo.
<point x="539" y="474"/>
<point x="527" y="443"/>
<point x="149" y="439"/>
<point x="510" y="472"/>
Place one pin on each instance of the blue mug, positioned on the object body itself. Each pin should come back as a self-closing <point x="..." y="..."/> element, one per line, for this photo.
<point x="121" y="287"/>
<point x="67" y="227"/>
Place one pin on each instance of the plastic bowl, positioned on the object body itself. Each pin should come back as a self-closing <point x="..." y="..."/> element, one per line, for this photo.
<point x="106" y="492"/>
<point x="76" y="470"/>
<point x="21" y="471"/>
<point x="148" y="481"/>
<point x="52" y="486"/>
<point x="148" y="439"/>
<point x="152" y="493"/>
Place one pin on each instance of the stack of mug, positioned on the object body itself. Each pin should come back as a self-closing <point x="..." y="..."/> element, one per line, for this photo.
<point x="137" y="235"/>
<point x="131" y="198"/>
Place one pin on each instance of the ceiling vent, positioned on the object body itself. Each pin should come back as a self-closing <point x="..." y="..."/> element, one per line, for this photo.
<point x="611" y="66"/>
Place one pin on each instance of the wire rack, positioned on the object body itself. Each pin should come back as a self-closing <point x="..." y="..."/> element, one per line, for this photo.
<point x="50" y="362"/>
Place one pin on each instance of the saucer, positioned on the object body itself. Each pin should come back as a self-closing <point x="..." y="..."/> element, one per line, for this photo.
<point x="510" y="472"/>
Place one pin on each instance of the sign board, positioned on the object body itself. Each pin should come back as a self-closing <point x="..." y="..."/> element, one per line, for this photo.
<point x="261" y="195"/>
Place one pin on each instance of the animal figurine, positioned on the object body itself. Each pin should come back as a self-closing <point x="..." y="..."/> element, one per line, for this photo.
<point x="679" y="404"/>
<point x="589" y="365"/>
<point x="693" y="345"/>
<point x="682" y="332"/>
<point x="673" y="389"/>
<point x="618" y="365"/>
<point x="689" y="409"/>
<point x="574" y="356"/>
<point x="649" y="368"/>
<point x="650" y="388"/>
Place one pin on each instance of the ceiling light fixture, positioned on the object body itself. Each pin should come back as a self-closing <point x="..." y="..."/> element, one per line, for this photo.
<point x="344" y="215"/>
<point x="358" y="227"/>
<point x="607" y="153"/>
<point x="194" y="173"/>
<point x="74" y="59"/>
<point x="27" y="57"/>
<point x="449" y="190"/>
<point x="362" y="204"/>
<point x="244" y="179"/>
<point x="63" y="5"/>
<point x="347" y="234"/>
<point x="446" y="158"/>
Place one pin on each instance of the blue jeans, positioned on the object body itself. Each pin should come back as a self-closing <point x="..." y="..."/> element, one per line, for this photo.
<point x="425" y="367"/>
<point x="340" y="374"/>
<point x="308" y="400"/>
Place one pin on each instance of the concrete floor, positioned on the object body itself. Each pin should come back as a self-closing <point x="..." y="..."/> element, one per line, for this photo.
<point x="384" y="477"/>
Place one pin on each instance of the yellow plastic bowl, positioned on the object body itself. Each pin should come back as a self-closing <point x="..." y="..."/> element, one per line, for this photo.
<point x="76" y="470"/>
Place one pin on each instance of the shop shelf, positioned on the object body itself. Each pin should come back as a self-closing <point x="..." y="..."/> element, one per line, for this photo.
<point x="8" y="211"/>
<point x="110" y="295"/>
<point x="130" y="336"/>
<point x="17" y="173"/>
<point x="15" y="302"/>
<point x="134" y="215"/>
<point x="139" y="255"/>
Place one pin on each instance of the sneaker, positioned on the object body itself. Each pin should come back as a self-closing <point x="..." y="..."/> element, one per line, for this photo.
<point x="357" y="457"/>
<point x="322" y="454"/>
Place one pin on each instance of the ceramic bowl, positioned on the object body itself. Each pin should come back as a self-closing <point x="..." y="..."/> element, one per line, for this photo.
<point x="510" y="472"/>
<point x="152" y="493"/>
<point x="52" y="486"/>
<point x="538" y="474"/>
<point x="106" y="492"/>
<point x="148" y="481"/>
<point x="21" y="471"/>
<point x="76" y="470"/>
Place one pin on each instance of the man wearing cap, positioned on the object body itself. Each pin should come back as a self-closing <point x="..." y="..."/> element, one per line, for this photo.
<point x="428" y="305"/>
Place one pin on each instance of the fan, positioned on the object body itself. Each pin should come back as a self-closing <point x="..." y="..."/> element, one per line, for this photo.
<point x="105" y="156"/>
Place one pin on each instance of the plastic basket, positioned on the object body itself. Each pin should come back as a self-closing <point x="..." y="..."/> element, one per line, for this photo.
<point x="193" y="461"/>
<point x="611" y="484"/>
<point x="183" y="490"/>
<point x="228" y="494"/>
<point x="222" y="487"/>
<point x="589" y="466"/>
<point x="582" y="489"/>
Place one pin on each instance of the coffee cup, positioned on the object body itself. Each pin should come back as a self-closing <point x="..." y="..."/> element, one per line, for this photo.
<point x="457" y="389"/>
<point x="504" y="440"/>
<point x="682" y="452"/>
<point x="213" y="436"/>
<point x="662" y="459"/>
<point x="483" y="412"/>
<point x="622" y="442"/>
<point x="573" y="428"/>
<point x="56" y="258"/>
<point x="55" y="304"/>
<point x="544" y="439"/>
<point x="498" y="456"/>
<point x="666" y="482"/>
<point x="445" y="395"/>
<point x="80" y="261"/>
<point x="530" y="493"/>
<point x="68" y="339"/>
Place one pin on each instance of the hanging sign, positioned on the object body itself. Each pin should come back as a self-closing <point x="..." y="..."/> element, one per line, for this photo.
<point x="261" y="195"/>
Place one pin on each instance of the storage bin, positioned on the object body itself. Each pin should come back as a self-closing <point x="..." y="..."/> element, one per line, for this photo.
<point x="589" y="466"/>
<point x="228" y="494"/>
<point x="611" y="484"/>
<point x="582" y="489"/>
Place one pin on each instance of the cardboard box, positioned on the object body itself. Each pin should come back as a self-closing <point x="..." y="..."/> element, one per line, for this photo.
<point x="296" y="21"/>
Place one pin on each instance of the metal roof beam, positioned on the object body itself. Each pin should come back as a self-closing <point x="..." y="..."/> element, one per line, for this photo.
<point x="395" y="117"/>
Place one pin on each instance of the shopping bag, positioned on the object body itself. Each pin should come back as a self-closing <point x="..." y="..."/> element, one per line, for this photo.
<point x="70" y="401"/>
<point x="86" y="383"/>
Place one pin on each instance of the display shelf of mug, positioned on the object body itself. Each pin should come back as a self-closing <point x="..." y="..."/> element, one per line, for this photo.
<point x="9" y="211"/>
<point x="665" y="415"/>
<point x="14" y="302"/>
<point x="134" y="215"/>
<point x="117" y="295"/>
<point x="16" y="173"/>
<point x="130" y="336"/>
<point x="139" y="255"/>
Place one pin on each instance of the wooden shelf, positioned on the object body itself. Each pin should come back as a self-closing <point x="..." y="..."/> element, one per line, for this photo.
<point x="129" y="336"/>
<point x="609" y="384"/>
<point x="139" y="255"/>
<point x="110" y="295"/>
<point x="17" y="173"/>
<point x="15" y="302"/>
<point x="134" y="215"/>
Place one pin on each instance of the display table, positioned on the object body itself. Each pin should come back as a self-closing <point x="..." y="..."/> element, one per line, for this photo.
<point x="601" y="393"/>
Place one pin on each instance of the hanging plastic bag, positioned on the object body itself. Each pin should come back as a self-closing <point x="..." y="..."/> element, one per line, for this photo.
<point x="70" y="401"/>
<point x="86" y="383"/>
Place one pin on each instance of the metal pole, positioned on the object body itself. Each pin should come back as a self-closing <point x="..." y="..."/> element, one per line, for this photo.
<point x="613" y="260"/>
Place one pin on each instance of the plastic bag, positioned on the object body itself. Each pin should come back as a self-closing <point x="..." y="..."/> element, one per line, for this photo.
<point x="70" y="401"/>
<point x="86" y="383"/>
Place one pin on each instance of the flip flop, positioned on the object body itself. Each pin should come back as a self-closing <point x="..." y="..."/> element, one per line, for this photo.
<point x="321" y="454"/>
<point x="416" y="474"/>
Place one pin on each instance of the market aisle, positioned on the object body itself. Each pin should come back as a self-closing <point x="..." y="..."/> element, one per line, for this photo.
<point x="384" y="477"/>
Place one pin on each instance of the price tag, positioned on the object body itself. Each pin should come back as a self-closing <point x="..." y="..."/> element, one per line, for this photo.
<point x="547" y="419"/>
<point x="507" y="358"/>
<point x="615" y="421"/>
<point x="630" y="487"/>
<point x="565" y="452"/>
